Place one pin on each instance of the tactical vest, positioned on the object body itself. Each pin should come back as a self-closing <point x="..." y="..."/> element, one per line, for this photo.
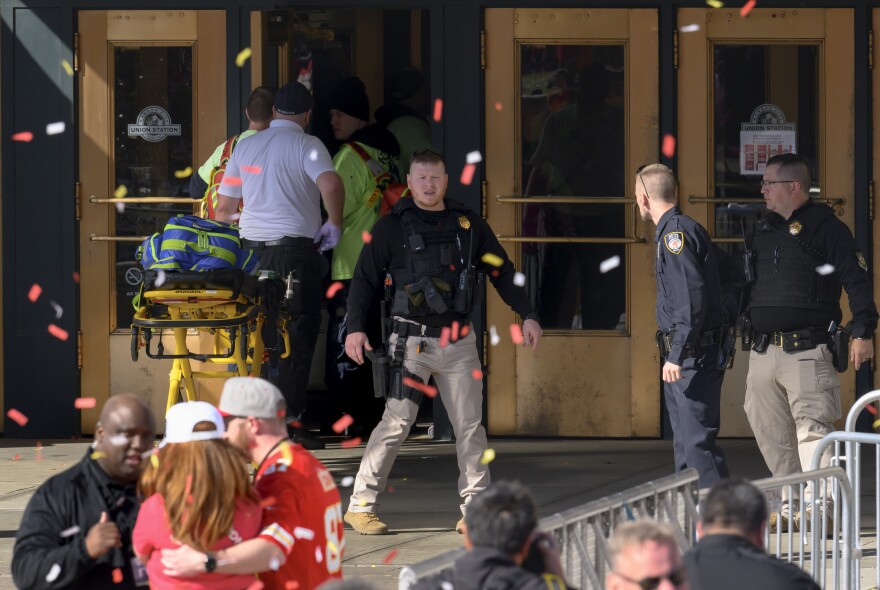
<point x="786" y="262"/>
<point x="438" y="275"/>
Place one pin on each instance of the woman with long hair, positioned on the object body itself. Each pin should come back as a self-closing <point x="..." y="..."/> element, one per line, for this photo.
<point x="198" y="494"/>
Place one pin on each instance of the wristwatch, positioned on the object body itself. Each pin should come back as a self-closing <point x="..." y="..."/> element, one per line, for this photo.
<point x="210" y="562"/>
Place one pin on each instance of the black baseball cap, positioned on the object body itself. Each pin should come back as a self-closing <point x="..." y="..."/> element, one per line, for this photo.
<point x="293" y="99"/>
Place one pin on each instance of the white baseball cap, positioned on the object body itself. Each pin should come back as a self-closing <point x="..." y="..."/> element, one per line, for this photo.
<point x="251" y="396"/>
<point x="182" y="418"/>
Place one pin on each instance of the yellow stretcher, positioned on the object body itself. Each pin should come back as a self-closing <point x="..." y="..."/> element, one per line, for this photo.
<point x="230" y="305"/>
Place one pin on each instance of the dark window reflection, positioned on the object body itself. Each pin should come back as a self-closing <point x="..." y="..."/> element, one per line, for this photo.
<point x="573" y="131"/>
<point x="153" y="108"/>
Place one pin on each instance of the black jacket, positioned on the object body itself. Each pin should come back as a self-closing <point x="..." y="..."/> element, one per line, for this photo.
<point x="483" y="568"/>
<point x="74" y="498"/>
<point x="731" y="562"/>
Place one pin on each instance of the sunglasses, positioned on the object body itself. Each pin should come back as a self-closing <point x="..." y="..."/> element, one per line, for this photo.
<point x="676" y="577"/>
<point x="227" y="420"/>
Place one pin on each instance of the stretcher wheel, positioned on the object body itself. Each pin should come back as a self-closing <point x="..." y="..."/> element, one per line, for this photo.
<point x="134" y="343"/>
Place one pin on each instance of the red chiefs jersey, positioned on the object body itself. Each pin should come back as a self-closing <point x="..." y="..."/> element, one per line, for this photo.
<point x="304" y="520"/>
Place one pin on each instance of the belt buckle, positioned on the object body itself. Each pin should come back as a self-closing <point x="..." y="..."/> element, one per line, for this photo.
<point x="777" y="339"/>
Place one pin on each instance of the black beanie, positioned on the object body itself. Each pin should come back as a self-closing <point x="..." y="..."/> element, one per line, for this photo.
<point x="350" y="97"/>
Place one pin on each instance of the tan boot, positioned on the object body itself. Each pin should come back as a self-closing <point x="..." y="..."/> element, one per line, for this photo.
<point x="366" y="523"/>
<point x="459" y="526"/>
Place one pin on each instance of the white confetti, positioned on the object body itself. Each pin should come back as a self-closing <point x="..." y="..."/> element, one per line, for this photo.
<point x="160" y="278"/>
<point x="235" y="217"/>
<point x="825" y="269"/>
<point x="319" y="557"/>
<point x="58" y="311"/>
<point x="313" y="155"/>
<point x="274" y="564"/>
<point x="609" y="264"/>
<point x="519" y="279"/>
<point x="690" y="28"/>
<point x="303" y="533"/>
<point x="446" y="586"/>
<point x="118" y="440"/>
<point x="494" y="338"/>
<point x="54" y="572"/>
<point x="70" y="532"/>
<point x="346" y="481"/>
<point x="474" y="157"/>
<point x="120" y="207"/>
<point x="55" y="128"/>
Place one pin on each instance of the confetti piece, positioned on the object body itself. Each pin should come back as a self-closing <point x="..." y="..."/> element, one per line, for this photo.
<point x="477" y="374"/>
<point x="464" y="330"/>
<point x="871" y="409"/>
<point x="17" y="458"/>
<point x="120" y="191"/>
<point x="85" y="403"/>
<point x="303" y="533"/>
<point x="154" y="460"/>
<point x="609" y="264"/>
<point x="24" y="136"/>
<point x="668" y="148"/>
<point x="474" y="157"/>
<point x="17" y="417"/>
<point x="117" y="440"/>
<point x="319" y="557"/>
<point x="76" y="277"/>
<point x="34" y="292"/>
<point x="492" y="259"/>
<point x="362" y="503"/>
<point x="715" y="3"/>
<point x="428" y="390"/>
<point x="825" y="269"/>
<point x="467" y="174"/>
<point x="690" y="28"/>
<point x="185" y="173"/>
<point x="333" y="289"/>
<point x="67" y="67"/>
<point x="268" y="501"/>
<point x="242" y="57"/>
<point x="255" y="585"/>
<point x="347" y="481"/>
<point x="747" y="8"/>
<point x="59" y="333"/>
<point x="313" y="155"/>
<point x="160" y="278"/>
<point x="39" y="445"/>
<point x="366" y="236"/>
<point x="342" y="423"/>
<point x="498" y="106"/>
<point x="876" y="424"/>
<point x="519" y="279"/>
<point x="291" y="585"/>
<point x="54" y="572"/>
<point x="58" y="310"/>
<point x="494" y="338"/>
<point x="232" y="180"/>
<point x="252" y="169"/>
<point x="352" y="442"/>
<point x="97" y="455"/>
<point x="120" y="207"/>
<point x="69" y="532"/>
<point x="455" y="330"/>
<point x="55" y="128"/>
<point x="438" y="110"/>
<point x="294" y="423"/>
<point x="390" y="556"/>
<point x="274" y="564"/>
<point x="488" y="457"/>
<point x="516" y="334"/>
<point x="445" y="335"/>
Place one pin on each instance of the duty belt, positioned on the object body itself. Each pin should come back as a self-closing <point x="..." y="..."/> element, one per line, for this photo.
<point x="805" y="339"/>
<point x="407" y="329"/>
<point x="707" y="338"/>
<point x="285" y="241"/>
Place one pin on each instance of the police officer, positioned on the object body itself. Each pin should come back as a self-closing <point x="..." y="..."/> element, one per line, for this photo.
<point x="802" y="254"/>
<point x="690" y="315"/>
<point x="432" y="250"/>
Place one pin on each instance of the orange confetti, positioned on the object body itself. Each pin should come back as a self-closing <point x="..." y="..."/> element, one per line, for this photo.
<point x="59" y="333"/>
<point x="17" y="417"/>
<point x="39" y="445"/>
<point x="445" y="334"/>
<point x="23" y="136"/>
<point x="334" y="289"/>
<point x="455" y="330"/>
<point x="390" y="556"/>
<point x="117" y="576"/>
<point x="34" y="293"/>
<point x="294" y="423"/>
<point x="516" y="334"/>
<point x="366" y="236"/>
<point x="352" y="442"/>
<point x="498" y="106"/>
<point x="252" y="169"/>
<point x="747" y="8"/>
<point x="871" y="409"/>
<point x="342" y="423"/>
<point x="438" y="110"/>
<point x="268" y="501"/>
<point x="467" y="174"/>
<point x="84" y="403"/>
<point x="477" y="374"/>
<point x="291" y="585"/>
<point x="76" y="277"/>
<point x="428" y="390"/>
<point x="464" y="330"/>
<point x="668" y="148"/>
<point x="232" y="180"/>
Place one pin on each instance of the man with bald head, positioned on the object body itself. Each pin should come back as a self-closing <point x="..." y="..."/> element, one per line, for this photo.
<point x="76" y="529"/>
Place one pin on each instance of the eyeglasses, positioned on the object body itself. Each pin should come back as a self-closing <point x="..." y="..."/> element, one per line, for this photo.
<point x="642" y="180"/>
<point x="766" y="183"/>
<point x="676" y="577"/>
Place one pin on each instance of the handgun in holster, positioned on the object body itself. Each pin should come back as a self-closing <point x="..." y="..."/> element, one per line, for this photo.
<point x="727" y="347"/>
<point x="838" y="345"/>
<point x="746" y="332"/>
<point x="664" y="343"/>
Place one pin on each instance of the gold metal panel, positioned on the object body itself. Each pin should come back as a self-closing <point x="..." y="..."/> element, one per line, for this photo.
<point x="571" y="24"/>
<point x="367" y="37"/>
<point x="209" y="65"/>
<point x="791" y="24"/>
<point x="155" y="25"/>
<point x="258" y="28"/>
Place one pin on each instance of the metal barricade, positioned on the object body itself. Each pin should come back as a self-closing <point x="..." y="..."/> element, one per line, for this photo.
<point x="583" y="531"/>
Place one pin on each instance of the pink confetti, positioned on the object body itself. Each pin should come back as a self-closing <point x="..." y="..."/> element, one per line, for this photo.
<point x="342" y="423"/>
<point x="23" y="136"/>
<point x="17" y="458"/>
<point x="668" y="148"/>
<point x="268" y="501"/>
<point x="84" y="403"/>
<point x="76" y="277"/>
<point x="747" y="8"/>
<point x="445" y="334"/>
<point x="423" y="387"/>
<point x="366" y="236"/>
<point x="477" y="374"/>
<point x="455" y="329"/>
<point x="467" y="174"/>
<point x="252" y="169"/>
<point x="438" y="110"/>
<point x="34" y="293"/>
<point x="389" y="557"/>
<point x="498" y="106"/>
<point x="516" y="334"/>
<point x="465" y="330"/>
<point x="59" y="333"/>
<point x="291" y="585"/>
<point x="17" y="417"/>
<point x="256" y="585"/>
<point x="117" y="576"/>
<point x="352" y="442"/>
<point x="871" y="409"/>
<point x="334" y="289"/>
<point x="232" y="180"/>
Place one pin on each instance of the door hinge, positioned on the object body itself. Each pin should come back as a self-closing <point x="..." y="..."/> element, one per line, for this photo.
<point x="871" y="200"/>
<point x="76" y="52"/>
<point x="483" y="205"/>
<point x="675" y="49"/>
<point x="77" y="198"/>
<point x="79" y="349"/>
<point x="483" y="49"/>
<point x="870" y="50"/>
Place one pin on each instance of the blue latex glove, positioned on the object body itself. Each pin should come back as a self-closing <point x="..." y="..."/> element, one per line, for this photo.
<point x="328" y="236"/>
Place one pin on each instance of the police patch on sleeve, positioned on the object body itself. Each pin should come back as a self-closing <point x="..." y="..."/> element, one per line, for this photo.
<point x="674" y="241"/>
<point x="862" y="263"/>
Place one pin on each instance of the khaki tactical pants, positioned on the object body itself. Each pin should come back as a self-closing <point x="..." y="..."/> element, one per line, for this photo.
<point x="452" y="368"/>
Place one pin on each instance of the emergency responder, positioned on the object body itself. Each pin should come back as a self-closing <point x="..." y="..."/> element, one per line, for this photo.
<point x="800" y="255"/>
<point x="691" y="318"/>
<point x="432" y="250"/>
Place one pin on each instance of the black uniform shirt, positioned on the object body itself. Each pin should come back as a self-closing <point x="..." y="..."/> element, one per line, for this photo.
<point x="689" y="299"/>
<point x="387" y="250"/>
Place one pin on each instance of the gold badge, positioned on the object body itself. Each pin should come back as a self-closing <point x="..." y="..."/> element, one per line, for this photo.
<point x="862" y="263"/>
<point x="464" y="222"/>
<point x="795" y="227"/>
